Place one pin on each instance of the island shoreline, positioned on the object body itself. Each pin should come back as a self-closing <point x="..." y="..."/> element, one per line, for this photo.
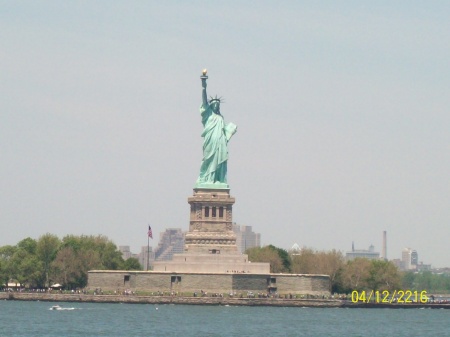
<point x="230" y="301"/>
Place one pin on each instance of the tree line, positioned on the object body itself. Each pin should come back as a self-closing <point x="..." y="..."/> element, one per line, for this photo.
<point x="49" y="260"/>
<point x="347" y="276"/>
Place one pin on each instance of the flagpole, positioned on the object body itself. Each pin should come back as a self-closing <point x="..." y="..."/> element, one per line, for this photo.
<point x="148" y="250"/>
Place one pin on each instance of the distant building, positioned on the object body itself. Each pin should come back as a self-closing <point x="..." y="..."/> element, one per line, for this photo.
<point x="126" y="253"/>
<point x="423" y="267"/>
<point x="370" y="253"/>
<point x="398" y="263"/>
<point x="170" y="242"/>
<point x="295" y="249"/>
<point x="246" y="238"/>
<point x="410" y="259"/>
<point x="146" y="257"/>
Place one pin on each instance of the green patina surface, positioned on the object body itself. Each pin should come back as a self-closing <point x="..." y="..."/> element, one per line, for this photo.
<point x="216" y="135"/>
<point x="215" y="185"/>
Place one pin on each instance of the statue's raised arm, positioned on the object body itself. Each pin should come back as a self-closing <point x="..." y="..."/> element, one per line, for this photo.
<point x="204" y="77"/>
<point x="216" y="134"/>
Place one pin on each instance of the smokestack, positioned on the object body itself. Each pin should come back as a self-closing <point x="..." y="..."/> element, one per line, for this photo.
<point x="384" y="246"/>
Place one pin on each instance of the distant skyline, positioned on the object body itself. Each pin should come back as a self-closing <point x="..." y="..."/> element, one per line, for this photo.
<point x="342" y="110"/>
<point x="154" y="244"/>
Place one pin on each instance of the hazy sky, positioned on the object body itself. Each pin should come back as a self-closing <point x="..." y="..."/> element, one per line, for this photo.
<point x="342" y="110"/>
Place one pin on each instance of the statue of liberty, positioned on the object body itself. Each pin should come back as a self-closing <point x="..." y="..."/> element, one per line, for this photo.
<point x="216" y="134"/>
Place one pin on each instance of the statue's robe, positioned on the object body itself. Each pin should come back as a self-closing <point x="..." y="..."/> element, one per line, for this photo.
<point x="215" y="153"/>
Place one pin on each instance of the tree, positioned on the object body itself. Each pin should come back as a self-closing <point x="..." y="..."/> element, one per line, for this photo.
<point x="29" y="245"/>
<point x="284" y="256"/>
<point x="90" y="260"/>
<point x="408" y="280"/>
<point x="440" y="283"/>
<point x="426" y="280"/>
<point x="6" y="268"/>
<point x="304" y="261"/>
<point x="37" y="263"/>
<point x="331" y="263"/>
<point x="355" y="274"/>
<point x="66" y="267"/>
<point x="47" y="247"/>
<point x="383" y="275"/>
<point x="79" y="254"/>
<point x="28" y="269"/>
<point x="3" y="278"/>
<point x="110" y="256"/>
<point x="132" y="264"/>
<point x="267" y="254"/>
<point x="308" y="261"/>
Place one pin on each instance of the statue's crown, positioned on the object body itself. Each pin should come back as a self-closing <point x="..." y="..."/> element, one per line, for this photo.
<point x="216" y="99"/>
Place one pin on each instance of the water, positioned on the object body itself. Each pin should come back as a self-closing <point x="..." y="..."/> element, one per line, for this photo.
<point x="98" y="319"/>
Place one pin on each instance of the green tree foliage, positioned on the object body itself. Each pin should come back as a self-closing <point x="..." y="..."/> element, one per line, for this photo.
<point x="3" y="278"/>
<point x="284" y="256"/>
<point x="440" y="283"/>
<point x="65" y="267"/>
<point x="105" y="253"/>
<point x="346" y="276"/>
<point x="408" y="280"/>
<point x="6" y="268"/>
<point x="383" y="275"/>
<point x="132" y="264"/>
<point x="355" y="274"/>
<point x="308" y="261"/>
<point x="304" y="261"/>
<point x="268" y="254"/>
<point x="79" y="254"/>
<point x="29" y="245"/>
<point x="432" y="283"/>
<point x="26" y="268"/>
<point x="19" y="264"/>
<point x="331" y="263"/>
<point x="363" y="274"/>
<point x="48" y="260"/>
<point x="46" y="250"/>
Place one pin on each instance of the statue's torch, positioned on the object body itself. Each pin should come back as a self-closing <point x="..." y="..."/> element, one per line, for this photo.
<point x="204" y="76"/>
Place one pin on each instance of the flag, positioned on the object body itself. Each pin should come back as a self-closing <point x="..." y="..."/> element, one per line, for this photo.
<point x="150" y="233"/>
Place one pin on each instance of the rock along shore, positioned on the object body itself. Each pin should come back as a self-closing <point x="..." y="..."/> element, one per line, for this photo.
<point x="276" y="302"/>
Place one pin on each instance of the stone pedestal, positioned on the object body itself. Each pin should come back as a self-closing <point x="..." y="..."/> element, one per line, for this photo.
<point x="211" y="222"/>
<point x="212" y="263"/>
<point x="210" y="245"/>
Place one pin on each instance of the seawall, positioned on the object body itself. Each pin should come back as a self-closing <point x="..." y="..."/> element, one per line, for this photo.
<point x="17" y="296"/>
<point x="277" y="302"/>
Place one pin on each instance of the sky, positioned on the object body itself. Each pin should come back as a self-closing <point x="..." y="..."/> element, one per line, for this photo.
<point x="342" y="110"/>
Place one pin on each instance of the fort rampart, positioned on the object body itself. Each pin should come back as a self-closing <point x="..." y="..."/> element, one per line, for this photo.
<point x="300" y="284"/>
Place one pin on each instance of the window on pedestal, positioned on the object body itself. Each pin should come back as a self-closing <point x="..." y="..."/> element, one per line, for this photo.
<point x="220" y="212"/>
<point x="206" y="212"/>
<point x="213" y="212"/>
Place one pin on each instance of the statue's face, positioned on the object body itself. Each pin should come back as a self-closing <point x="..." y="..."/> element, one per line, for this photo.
<point x="215" y="107"/>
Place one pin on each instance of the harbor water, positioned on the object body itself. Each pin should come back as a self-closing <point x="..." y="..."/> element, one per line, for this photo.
<point x="23" y="318"/>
